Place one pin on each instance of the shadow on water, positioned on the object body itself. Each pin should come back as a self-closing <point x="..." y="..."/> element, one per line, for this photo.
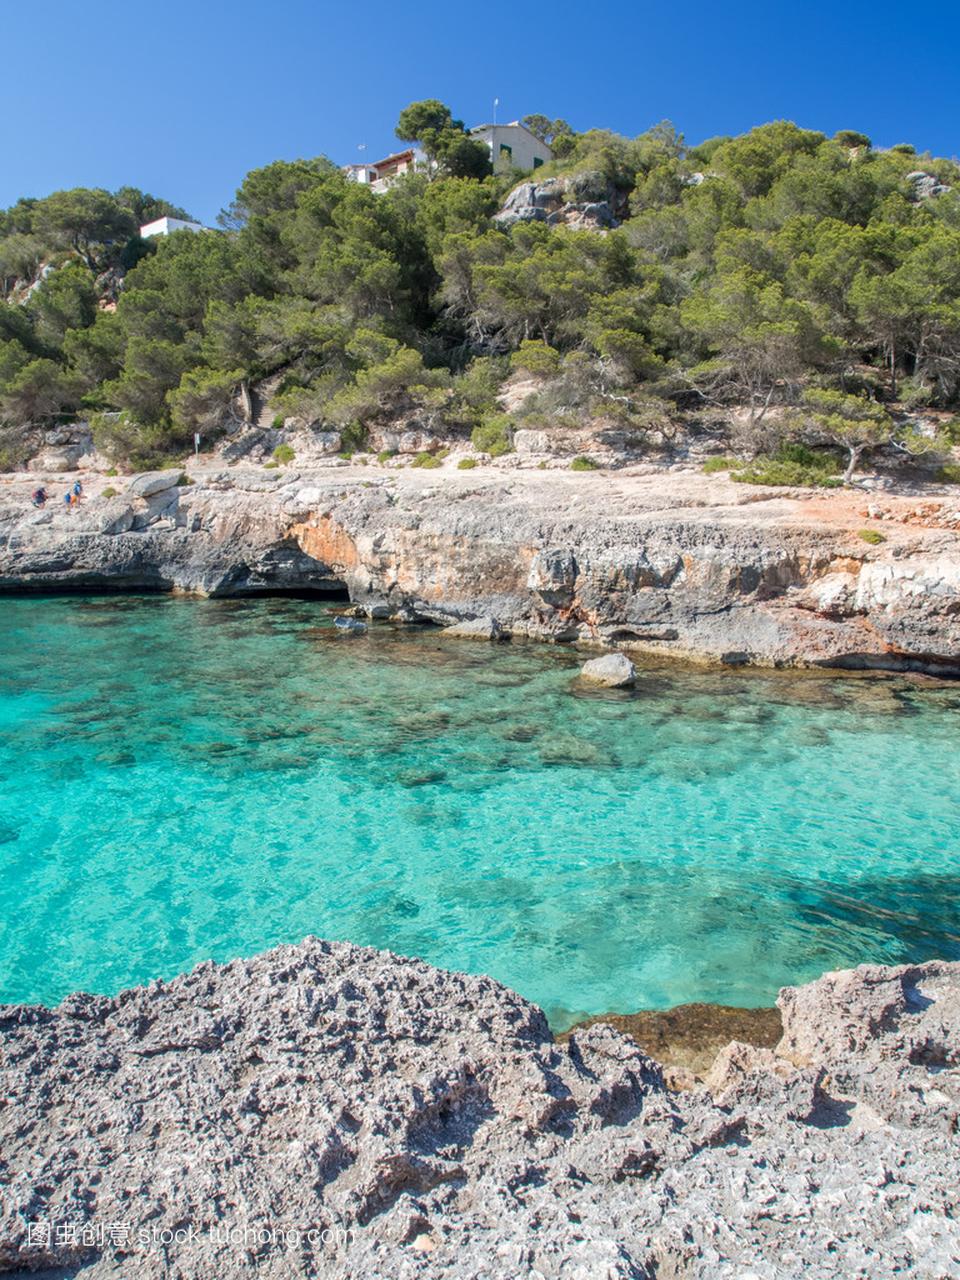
<point x="919" y="913"/>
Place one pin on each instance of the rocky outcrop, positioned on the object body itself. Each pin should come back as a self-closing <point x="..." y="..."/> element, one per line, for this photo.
<point x="583" y="201"/>
<point x="62" y="448"/>
<point x="924" y="186"/>
<point x="149" y="483"/>
<point x="667" y="561"/>
<point x="331" y="1110"/>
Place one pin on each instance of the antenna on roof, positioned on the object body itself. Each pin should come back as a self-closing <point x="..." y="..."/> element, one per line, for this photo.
<point x="496" y="103"/>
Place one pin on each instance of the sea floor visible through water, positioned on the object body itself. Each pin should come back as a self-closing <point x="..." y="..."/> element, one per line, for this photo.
<point x="183" y="779"/>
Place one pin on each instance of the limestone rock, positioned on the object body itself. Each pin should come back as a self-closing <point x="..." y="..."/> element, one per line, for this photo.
<point x="422" y="1122"/>
<point x="736" y="1062"/>
<point x="112" y="517"/>
<point x="485" y="628"/>
<point x="581" y="201"/>
<point x="526" y="441"/>
<point x="645" y="558"/>
<point x="151" y="482"/>
<point x="57" y="460"/>
<point x="874" y="1013"/>
<point x="925" y="185"/>
<point x="613" y="671"/>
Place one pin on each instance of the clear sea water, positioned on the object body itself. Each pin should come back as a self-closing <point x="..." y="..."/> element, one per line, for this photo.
<point x="184" y="779"/>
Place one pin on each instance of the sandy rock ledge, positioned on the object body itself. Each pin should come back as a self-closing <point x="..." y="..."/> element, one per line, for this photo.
<point x="329" y="1110"/>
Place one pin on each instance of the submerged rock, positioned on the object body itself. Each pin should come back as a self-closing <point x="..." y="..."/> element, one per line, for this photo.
<point x="324" y="1109"/>
<point x="613" y="671"/>
<point x="350" y="626"/>
<point x="477" y="629"/>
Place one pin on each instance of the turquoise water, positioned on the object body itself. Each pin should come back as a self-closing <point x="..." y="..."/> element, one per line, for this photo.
<point x="183" y="779"/>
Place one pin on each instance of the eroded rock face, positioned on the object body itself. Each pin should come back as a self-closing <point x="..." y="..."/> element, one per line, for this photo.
<point x="650" y="562"/>
<point x="425" y="1122"/>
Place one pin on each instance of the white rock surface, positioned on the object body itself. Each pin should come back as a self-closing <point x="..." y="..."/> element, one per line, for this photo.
<point x="613" y="670"/>
<point x="151" y="482"/>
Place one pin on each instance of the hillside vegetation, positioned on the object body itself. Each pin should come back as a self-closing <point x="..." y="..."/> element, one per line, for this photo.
<point x="813" y="282"/>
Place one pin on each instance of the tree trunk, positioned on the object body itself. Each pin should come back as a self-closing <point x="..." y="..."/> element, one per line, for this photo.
<point x="246" y="403"/>
<point x="854" y="457"/>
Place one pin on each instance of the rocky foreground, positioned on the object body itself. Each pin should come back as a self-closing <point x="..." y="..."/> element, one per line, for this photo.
<point x="329" y="1110"/>
<point x="660" y="559"/>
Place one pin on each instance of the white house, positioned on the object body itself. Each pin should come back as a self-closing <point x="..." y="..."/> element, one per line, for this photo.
<point x="164" y="226"/>
<point x="383" y="173"/>
<point x="512" y="146"/>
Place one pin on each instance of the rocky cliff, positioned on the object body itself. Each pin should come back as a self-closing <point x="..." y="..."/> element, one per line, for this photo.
<point x="333" y="1111"/>
<point x="666" y="560"/>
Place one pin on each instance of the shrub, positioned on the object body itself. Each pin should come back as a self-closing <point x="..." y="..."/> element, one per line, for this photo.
<point x="278" y="422"/>
<point x="184" y="480"/>
<point x="583" y="463"/>
<point x="719" y="464"/>
<point x="770" y="471"/>
<point x="536" y="358"/>
<point x="385" y="455"/>
<point x="121" y="437"/>
<point x="270" y="466"/>
<point x="111" y="472"/>
<point x="353" y="438"/>
<point x="345" y="454"/>
<point x="15" y="449"/>
<point x="873" y="536"/>
<point x="109" y="492"/>
<point x="427" y="460"/>
<point x="494" y="436"/>
<point x="949" y="473"/>
<point x="794" y="465"/>
<point x="466" y="464"/>
<point x="283" y="454"/>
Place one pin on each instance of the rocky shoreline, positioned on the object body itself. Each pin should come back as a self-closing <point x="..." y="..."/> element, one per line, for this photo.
<point x="661" y="560"/>
<point x="330" y="1110"/>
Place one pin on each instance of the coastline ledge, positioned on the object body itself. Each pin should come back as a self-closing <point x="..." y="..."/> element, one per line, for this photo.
<point x="330" y="1109"/>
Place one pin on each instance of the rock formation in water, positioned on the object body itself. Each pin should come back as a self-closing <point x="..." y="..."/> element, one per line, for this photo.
<point x="329" y="1110"/>
<point x="613" y="670"/>
<point x="670" y="561"/>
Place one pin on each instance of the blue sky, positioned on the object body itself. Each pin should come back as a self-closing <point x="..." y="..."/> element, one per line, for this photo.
<point x="183" y="102"/>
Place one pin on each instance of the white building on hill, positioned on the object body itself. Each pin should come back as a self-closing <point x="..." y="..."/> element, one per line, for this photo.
<point x="164" y="226"/>
<point x="512" y="146"/>
<point x="383" y="173"/>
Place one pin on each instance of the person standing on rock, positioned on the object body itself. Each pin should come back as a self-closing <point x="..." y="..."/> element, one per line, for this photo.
<point x="39" y="497"/>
